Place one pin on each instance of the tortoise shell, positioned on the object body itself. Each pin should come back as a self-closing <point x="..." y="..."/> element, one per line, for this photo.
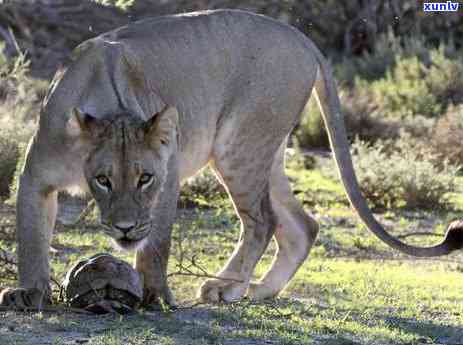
<point x="103" y="280"/>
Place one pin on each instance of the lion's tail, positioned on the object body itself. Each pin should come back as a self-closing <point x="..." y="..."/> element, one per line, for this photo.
<point x="328" y="101"/>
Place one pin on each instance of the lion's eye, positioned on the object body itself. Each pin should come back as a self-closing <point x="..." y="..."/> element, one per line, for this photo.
<point x="103" y="182"/>
<point x="145" y="181"/>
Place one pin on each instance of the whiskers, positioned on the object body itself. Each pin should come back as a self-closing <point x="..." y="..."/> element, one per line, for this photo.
<point x="132" y="240"/>
<point x="108" y="230"/>
<point x="140" y="232"/>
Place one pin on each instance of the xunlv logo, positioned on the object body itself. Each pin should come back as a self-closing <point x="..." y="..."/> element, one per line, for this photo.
<point x="440" y="6"/>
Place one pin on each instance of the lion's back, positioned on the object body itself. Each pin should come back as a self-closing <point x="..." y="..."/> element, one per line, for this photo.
<point x="198" y="61"/>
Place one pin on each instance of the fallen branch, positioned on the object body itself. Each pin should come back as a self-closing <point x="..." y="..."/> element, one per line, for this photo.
<point x="202" y="275"/>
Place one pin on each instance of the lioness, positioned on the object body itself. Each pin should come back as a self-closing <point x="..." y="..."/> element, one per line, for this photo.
<point x="143" y="107"/>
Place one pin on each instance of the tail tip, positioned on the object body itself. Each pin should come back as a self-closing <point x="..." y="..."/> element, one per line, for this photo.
<point x="454" y="235"/>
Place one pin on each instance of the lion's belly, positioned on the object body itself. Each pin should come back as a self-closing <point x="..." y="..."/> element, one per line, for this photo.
<point x="196" y="142"/>
<point x="192" y="160"/>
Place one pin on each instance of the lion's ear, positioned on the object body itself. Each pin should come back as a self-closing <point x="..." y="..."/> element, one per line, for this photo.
<point x="162" y="126"/>
<point x="80" y="122"/>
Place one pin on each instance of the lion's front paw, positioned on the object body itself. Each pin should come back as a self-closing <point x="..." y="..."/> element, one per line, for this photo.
<point x="154" y="297"/>
<point x="19" y="298"/>
<point x="221" y="290"/>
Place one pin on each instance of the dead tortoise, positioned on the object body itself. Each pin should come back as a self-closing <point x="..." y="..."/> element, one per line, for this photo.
<point x="102" y="284"/>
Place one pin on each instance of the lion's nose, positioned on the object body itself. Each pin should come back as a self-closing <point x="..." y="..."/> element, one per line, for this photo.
<point x="125" y="227"/>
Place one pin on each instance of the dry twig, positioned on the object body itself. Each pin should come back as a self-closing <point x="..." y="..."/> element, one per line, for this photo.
<point x="191" y="268"/>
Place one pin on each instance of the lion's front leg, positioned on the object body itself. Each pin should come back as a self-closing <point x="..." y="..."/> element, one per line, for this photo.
<point x="151" y="260"/>
<point x="151" y="263"/>
<point x="35" y="218"/>
<point x="36" y="214"/>
<point x="48" y="168"/>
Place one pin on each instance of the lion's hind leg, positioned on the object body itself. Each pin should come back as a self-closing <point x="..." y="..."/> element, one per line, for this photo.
<point x="244" y="168"/>
<point x="257" y="226"/>
<point x="295" y="234"/>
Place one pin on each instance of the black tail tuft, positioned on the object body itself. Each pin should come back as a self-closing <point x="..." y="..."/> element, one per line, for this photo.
<point x="454" y="235"/>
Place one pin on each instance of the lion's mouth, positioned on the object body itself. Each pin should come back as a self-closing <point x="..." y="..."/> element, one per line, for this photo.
<point x="131" y="240"/>
<point x="132" y="236"/>
<point x="128" y="243"/>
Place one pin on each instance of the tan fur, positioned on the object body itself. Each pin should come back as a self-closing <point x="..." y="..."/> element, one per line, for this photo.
<point x="122" y="107"/>
<point x="141" y="108"/>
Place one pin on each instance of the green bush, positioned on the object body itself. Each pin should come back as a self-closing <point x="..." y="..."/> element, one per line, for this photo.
<point x="401" y="173"/>
<point x="413" y="87"/>
<point x="202" y="190"/>
<point x="404" y="91"/>
<point x="20" y="98"/>
<point x="388" y="49"/>
<point x="361" y="116"/>
<point x="364" y="120"/>
<point x="401" y="85"/>
<point x="311" y="130"/>
<point x="447" y="135"/>
<point x="9" y="153"/>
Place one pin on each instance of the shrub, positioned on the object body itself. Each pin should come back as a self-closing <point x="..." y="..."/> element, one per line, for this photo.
<point x="447" y="135"/>
<point x="364" y="120"/>
<point x="20" y="95"/>
<point x="404" y="91"/>
<point x="401" y="173"/>
<point x="20" y="99"/>
<point x="361" y="117"/>
<point x="414" y="87"/>
<point x="445" y="78"/>
<point x="202" y="190"/>
<point x="387" y="50"/>
<point x="9" y="153"/>
<point x="311" y="130"/>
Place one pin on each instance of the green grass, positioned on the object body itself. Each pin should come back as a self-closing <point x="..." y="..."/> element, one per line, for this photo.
<point x="352" y="290"/>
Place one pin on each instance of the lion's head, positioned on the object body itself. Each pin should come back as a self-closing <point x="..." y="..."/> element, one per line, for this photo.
<point x="126" y="168"/>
